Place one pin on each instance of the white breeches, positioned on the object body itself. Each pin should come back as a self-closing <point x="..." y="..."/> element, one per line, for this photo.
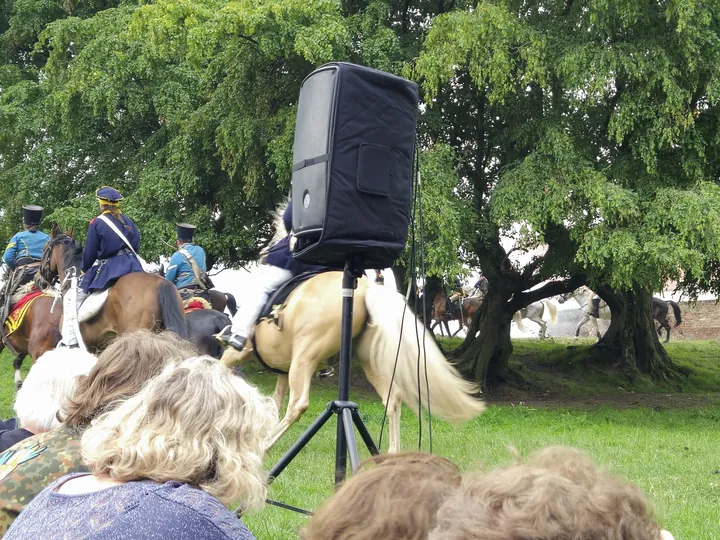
<point x="265" y="280"/>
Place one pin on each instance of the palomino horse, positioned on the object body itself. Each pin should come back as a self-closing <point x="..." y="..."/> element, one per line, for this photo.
<point x="441" y="315"/>
<point x="535" y="312"/>
<point x="307" y="333"/>
<point x="583" y="296"/>
<point x="136" y="300"/>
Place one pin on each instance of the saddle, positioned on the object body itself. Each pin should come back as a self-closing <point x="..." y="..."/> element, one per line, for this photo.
<point x="273" y="307"/>
<point x="277" y="299"/>
<point x="19" y="282"/>
<point x="595" y="306"/>
<point x="194" y="303"/>
<point x="453" y="308"/>
<point x="92" y="305"/>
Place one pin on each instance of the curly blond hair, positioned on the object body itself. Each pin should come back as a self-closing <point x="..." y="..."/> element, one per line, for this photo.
<point x="122" y="369"/>
<point x="195" y="423"/>
<point x="393" y="496"/>
<point x="557" y="495"/>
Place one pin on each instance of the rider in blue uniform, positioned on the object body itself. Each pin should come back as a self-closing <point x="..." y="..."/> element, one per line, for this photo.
<point x="180" y="271"/>
<point x="24" y="251"/>
<point x="279" y="267"/>
<point x="107" y="257"/>
<point x="26" y="247"/>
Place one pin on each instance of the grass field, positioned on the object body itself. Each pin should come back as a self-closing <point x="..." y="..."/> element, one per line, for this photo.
<point x="671" y="453"/>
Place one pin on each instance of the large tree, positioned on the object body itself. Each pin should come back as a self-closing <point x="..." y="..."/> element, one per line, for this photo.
<point x="592" y="129"/>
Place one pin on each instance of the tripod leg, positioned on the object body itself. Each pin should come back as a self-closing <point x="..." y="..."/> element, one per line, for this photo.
<point x="350" y="438"/>
<point x="300" y="443"/>
<point x="364" y="433"/>
<point x="341" y="444"/>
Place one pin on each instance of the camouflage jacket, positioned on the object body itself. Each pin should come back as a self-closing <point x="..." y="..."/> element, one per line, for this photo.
<point x="29" y="466"/>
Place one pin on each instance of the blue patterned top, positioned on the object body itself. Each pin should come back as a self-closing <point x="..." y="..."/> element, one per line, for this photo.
<point x="143" y="509"/>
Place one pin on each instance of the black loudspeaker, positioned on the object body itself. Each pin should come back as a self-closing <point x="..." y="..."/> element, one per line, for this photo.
<point x="353" y="166"/>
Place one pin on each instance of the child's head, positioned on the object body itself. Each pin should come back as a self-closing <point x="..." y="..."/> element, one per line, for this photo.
<point x="392" y="496"/>
<point x="557" y="494"/>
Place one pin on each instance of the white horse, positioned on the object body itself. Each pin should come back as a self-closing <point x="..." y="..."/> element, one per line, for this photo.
<point x="583" y="296"/>
<point x="535" y="312"/>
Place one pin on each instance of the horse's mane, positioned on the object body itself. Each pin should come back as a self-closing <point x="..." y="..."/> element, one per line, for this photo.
<point x="72" y="251"/>
<point x="278" y="227"/>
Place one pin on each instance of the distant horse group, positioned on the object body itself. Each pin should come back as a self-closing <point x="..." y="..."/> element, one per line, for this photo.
<point x="584" y="297"/>
<point x="443" y="312"/>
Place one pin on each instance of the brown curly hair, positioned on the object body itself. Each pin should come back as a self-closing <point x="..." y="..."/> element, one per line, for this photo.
<point x="120" y="372"/>
<point x="393" y="496"/>
<point x="559" y="494"/>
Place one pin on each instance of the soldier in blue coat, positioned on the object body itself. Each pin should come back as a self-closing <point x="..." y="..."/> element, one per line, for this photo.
<point x="24" y="250"/>
<point x="107" y="257"/>
<point x="279" y="267"/>
<point x="180" y="270"/>
<point x="26" y="247"/>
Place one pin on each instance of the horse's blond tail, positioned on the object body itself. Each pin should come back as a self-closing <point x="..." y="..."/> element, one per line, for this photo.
<point x="451" y="396"/>
<point x="517" y="318"/>
<point x="552" y="308"/>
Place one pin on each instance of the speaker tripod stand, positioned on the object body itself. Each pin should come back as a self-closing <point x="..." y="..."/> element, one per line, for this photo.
<point x="346" y="411"/>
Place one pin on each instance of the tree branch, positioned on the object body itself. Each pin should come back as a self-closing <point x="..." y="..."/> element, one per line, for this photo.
<point x="553" y="288"/>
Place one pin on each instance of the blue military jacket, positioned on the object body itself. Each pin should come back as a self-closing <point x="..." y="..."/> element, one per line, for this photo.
<point x="180" y="272"/>
<point x="25" y="244"/>
<point x="279" y="255"/>
<point x="106" y="257"/>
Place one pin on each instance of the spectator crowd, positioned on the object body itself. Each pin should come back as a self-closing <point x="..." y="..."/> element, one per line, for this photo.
<point x="150" y="440"/>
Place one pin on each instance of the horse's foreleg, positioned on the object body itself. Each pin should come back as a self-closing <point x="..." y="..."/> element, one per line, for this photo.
<point x="232" y="357"/>
<point x="597" y="328"/>
<point x="541" y="323"/>
<point x="17" y="365"/>
<point x="447" y="327"/>
<point x="301" y="372"/>
<point x="281" y="388"/>
<point x="582" y="322"/>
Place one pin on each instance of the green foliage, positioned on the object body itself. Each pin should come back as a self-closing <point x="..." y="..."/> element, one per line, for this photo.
<point x="596" y="127"/>
<point x="446" y="218"/>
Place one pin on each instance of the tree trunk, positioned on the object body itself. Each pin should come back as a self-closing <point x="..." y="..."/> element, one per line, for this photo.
<point x="631" y="340"/>
<point x="485" y="358"/>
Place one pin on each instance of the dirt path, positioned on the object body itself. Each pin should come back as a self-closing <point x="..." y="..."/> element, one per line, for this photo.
<point x="625" y="400"/>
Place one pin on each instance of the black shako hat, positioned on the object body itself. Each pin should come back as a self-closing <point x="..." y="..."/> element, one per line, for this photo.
<point x="185" y="232"/>
<point x="32" y="214"/>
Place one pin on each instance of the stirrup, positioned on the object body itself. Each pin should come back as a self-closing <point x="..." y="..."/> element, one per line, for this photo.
<point x="224" y="334"/>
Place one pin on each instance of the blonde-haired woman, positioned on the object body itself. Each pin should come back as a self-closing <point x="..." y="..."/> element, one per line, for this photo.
<point x="163" y="462"/>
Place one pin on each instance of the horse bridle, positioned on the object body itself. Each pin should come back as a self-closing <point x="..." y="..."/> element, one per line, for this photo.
<point x="45" y="274"/>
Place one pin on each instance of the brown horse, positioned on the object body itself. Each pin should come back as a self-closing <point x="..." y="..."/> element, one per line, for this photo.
<point x="442" y="316"/>
<point x="38" y="333"/>
<point x="307" y="333"/>
<point x="136" y="300"/>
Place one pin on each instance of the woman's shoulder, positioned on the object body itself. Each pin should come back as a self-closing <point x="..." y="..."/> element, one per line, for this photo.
<point x="197" y="506"/>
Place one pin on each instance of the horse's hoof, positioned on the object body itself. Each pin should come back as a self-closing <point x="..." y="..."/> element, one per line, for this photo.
<point x="18" y="385"/>
<point x="325" y="373"/>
